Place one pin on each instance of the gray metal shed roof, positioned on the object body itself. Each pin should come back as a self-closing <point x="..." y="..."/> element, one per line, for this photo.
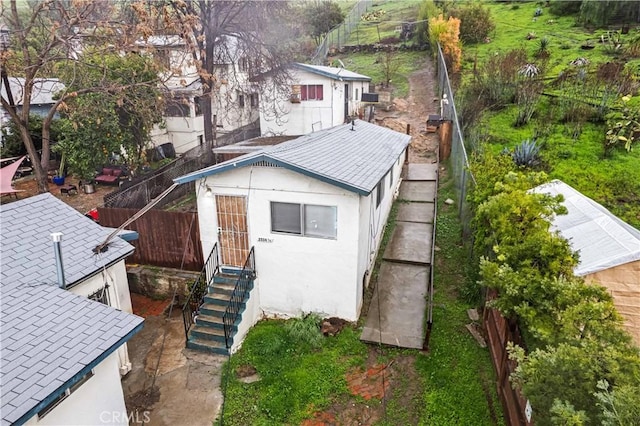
<point x="50" y="339"/>
<point x="602" y="239"/>
<point x="27" y="249"/>
<point x="355" y="159"/>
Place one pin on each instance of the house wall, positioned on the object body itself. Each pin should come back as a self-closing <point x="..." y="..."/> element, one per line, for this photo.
<point x="99" y="400"/>
<point x="115" y="277"/>
<point x="225" y="103"/>
<point x="374" y="219"/>
<point x="296" y="274"/>
<point x="279" y="116"/>
<point x="250" y="317"/>
<point x="623" y="282"/>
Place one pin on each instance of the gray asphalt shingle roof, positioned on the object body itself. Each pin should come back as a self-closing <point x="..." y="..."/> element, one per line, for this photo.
<point x="51" y="337"/>
<point x="27" y="248"/>
<point x="352" y="159"/>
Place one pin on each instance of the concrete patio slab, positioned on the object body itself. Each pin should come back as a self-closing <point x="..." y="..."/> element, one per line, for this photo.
<point x="421" y="171"/>
<point x="418" y="191"/>
<point x="410" y="243"/>
<point x="415" y="212"/>
<point x="398" y="306"/>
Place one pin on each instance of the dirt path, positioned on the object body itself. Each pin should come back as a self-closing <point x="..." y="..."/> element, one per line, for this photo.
<point x="395" y="382"/>
<point x="414" y="111"/>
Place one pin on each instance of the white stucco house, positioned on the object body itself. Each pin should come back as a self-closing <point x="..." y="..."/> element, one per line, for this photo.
<point x="319" y="97"/>
<point x="63" y="334"/>
<point x="314" y="210"/>
<point x="235" y="101"/>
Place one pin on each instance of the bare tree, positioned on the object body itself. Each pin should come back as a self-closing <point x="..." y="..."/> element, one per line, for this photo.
<point x="256" y="33"/>
<point x="44" y="36"/>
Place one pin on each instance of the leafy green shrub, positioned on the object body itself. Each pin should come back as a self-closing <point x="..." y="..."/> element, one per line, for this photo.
<point x="305" y="329"/>
<point x="476" y="23"/>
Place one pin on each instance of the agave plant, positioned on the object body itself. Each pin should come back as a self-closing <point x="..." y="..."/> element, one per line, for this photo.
<point x="526" y="153"/>
<point x="529" y="70"/>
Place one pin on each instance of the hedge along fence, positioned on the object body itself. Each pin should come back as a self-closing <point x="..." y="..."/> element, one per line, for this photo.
<point x="582" y="367"/>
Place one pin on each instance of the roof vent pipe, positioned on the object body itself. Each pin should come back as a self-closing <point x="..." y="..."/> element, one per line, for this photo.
<point x="57" y="250"/>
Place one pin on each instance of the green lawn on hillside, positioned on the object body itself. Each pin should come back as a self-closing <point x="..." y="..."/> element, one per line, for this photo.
<point x="579" y="161"/>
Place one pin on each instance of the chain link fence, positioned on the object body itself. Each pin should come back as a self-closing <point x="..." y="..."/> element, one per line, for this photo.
<point x="459" y="158"/>
<point x="338" y="36"/>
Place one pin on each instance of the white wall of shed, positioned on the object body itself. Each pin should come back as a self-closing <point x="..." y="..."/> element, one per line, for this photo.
<point x="99" y="400"/>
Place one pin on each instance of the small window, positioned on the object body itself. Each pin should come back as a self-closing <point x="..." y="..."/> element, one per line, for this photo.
<point x="285" y="217"/>
<point x="305" y="220"/>
<point x="391" y="177"/>
<point x="101" y="295"/>
<point x="380" y="192"/>
<point x="200" y="140"/>
<point x="197" y="101"/>
<point x="53" y="404"/>
<point x="177" y="110"/>
<point x="320" y="221"/>
<point x="241" y="100"/>
<point x="311" y="92"/>
<point x="253" y="98"/>
<point x="357" y="99"/>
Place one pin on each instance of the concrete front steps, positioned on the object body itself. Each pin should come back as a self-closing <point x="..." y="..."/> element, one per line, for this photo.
<point x="207" y="334"/>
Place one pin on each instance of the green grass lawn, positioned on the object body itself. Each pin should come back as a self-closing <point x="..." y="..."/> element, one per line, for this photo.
<point x="370" y="64"/>
<point x="385" y="25"/>
<point x="451" y="385"/>
<point x="579" y="161"/>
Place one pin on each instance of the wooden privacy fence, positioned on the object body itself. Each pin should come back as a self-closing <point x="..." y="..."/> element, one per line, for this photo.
<point x="165" y="238"/>
<point x="516" y="409"/>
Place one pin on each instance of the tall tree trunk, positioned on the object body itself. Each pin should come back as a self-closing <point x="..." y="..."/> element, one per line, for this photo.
<point x="41" y="175"/>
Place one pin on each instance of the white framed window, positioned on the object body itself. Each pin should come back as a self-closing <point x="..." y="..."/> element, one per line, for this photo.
<point x="357" y="99"/>
<point x="391" y="177"/>
<point x="53" y="404"/>
<point x="307" y="220"/>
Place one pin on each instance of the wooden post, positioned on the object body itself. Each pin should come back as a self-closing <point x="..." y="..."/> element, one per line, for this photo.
<point x="408" y="129"/>
<point x="444" y="147"/>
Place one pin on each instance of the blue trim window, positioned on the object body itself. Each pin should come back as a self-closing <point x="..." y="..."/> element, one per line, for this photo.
<point x="307" y="220"/>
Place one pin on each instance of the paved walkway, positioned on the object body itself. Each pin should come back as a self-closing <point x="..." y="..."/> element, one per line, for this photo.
<point x="397" y="311"/>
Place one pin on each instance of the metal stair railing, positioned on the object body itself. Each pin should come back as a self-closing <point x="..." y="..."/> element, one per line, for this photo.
<point x="199" y="290"/>
<point x="239" y="296"/>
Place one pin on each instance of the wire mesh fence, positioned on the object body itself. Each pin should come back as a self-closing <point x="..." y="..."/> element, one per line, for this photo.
<point x="459" y="158"/>
<point x="338" y="36"/>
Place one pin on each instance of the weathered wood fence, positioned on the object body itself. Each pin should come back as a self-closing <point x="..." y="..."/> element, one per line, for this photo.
<point x="170" y="239"/>
<point x="499" y="333"/>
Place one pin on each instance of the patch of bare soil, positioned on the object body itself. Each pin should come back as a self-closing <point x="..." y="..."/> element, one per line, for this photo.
<point x="412" y="114"/>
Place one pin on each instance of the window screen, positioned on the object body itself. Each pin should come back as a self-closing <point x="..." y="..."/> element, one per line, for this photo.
<point x="380" y="192"/>
<point x="285" y="217"/>
<point x="320" y="221"/>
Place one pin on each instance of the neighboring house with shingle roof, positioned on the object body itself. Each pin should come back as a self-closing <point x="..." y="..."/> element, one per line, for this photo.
<point x="58" y="340"/>
<point x="319" y="97"/>
<point x="313" y="208"/>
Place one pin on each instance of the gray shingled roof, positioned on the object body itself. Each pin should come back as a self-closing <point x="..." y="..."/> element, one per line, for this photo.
<point x="27" y="249"/>
<point x="335" y="73"/>
<point x="352" y="159"/>
<point x="50" y="339"/>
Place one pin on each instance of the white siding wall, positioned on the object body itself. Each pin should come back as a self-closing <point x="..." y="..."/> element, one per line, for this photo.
<point x="373" y="220"/>
<point x="296" y="274"/>
<point x="98" y="401"/>
<point x="278" y="116"/>
<point x="115" y="277"/>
